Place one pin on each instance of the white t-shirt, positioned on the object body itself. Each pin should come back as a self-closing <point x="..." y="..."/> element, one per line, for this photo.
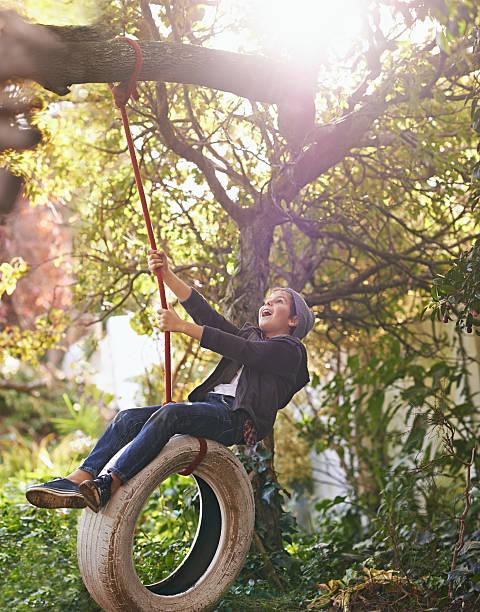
<point x="228" y="388"/>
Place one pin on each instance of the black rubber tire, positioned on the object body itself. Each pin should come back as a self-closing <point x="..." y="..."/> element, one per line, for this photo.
<point x="222" y="541"/>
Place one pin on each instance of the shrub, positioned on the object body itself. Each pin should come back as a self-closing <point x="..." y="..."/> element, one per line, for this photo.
<point x="38" y="557"/>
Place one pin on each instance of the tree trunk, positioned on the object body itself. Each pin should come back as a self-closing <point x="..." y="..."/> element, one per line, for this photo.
<point x="251" y="284"/>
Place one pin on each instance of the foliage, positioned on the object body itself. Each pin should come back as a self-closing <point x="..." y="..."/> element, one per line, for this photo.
<point x="30" y="447"/>
<point x="389" y="416"/>
<point x="59" y="13"/>
<point x="40" y="460"/>
<point x="456" y="294"/>
<point x="166" y="528"/>
<point x="33" y="410"/>
<point x="34" y="312"/>
<point x="399" y="558"/>
<point x="411" y="539"/>
<point x="378" y="408"/>
<point x="30" y="345"/>
<point x="38" y="557"/>
<point x="84" y="415"/>
<point x="334" y="235"/>
<point x="271" y="498"/>
<point x="339" y="555"/>
<point x="293" y="461"/>
<point x="32" y="451"/>
<point x="28" y="413"/>
<point x="10" y="273"/>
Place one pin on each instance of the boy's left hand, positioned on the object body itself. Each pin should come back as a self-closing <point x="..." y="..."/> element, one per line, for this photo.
<point x="168" y="320"/>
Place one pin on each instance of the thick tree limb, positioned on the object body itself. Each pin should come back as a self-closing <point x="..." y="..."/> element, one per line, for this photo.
<point x="332" y="144"/>
<point x="102" y="61"/>
<point x="356" y="287"/>
<point x="81" y="34"/>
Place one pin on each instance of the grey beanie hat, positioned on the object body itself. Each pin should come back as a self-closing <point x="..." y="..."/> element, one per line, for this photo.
<point x="306" y="318"/>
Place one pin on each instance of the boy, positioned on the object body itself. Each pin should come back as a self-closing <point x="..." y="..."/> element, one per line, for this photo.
<point x="260" y="371"/>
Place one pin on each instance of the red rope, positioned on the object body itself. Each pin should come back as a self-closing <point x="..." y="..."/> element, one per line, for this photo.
<point x="121" y="95"/>
<point x="198" y="460"/>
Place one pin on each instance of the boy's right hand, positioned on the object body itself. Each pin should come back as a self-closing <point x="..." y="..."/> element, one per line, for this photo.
<point x="157" y="260"/>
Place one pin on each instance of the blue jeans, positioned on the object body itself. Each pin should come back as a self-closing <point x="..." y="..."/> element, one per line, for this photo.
<point x="150" y="428"/>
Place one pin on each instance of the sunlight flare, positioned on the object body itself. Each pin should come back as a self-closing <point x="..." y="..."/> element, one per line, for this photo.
<point x="307" y="26"/>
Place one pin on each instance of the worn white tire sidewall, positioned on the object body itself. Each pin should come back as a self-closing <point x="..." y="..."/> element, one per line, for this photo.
<point x="105" y="540"/>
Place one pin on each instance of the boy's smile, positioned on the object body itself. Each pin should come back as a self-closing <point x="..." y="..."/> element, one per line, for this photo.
<point x="274" y="317"/>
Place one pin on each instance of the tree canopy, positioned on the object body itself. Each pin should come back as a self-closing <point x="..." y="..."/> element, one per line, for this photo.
<point x="358" y="209"/>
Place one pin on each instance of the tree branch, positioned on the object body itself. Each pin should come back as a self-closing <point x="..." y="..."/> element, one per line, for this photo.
<point x="8" y="385"/>
<point x="104" y="61"/>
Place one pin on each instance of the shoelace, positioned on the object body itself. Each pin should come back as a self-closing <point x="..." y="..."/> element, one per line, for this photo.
<point x="104" y="483"/>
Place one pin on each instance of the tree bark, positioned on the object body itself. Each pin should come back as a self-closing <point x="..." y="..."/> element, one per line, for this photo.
<point x="331" y="144"/>
<point x="256" y="238"/>
<point x="80" y="56"/>
<point x="251" y="284"/>
<point x="250" y="76"/>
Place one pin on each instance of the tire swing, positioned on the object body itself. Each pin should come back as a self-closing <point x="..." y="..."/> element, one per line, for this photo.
<point x="227" y="510"/>
<point x="222" y="540"/>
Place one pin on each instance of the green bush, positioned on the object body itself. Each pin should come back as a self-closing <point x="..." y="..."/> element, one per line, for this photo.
<point x="38" y="559"/>
<point x="31" y="460"/>
<point x="398" y="559"/>
<point x="166" y="528"/>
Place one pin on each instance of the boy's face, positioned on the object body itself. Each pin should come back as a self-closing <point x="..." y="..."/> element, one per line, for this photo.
<point x="274" y="317"/>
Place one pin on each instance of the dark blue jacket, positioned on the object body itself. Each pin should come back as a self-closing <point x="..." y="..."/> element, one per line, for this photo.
<point x="274" y="368"/>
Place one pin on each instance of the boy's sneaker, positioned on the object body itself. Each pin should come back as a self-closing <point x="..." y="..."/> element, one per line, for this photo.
<point x="56" y="493"/>
<point x="96" y="492"/>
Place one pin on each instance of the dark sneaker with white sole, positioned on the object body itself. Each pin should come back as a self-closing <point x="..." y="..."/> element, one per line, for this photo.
<point x="57" y="493"/>
<point x="97" y="492"/>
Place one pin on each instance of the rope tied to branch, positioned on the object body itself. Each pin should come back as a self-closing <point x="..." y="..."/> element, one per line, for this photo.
<point x="128" y="89"/>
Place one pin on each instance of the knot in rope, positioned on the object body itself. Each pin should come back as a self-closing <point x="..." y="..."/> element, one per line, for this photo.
<point x="128" y="89"/>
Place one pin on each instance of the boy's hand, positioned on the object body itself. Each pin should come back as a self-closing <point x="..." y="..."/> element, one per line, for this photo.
<point x="168" y="320"/>
<point x="158" y="264"/>
<point x="157" y="260"/>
